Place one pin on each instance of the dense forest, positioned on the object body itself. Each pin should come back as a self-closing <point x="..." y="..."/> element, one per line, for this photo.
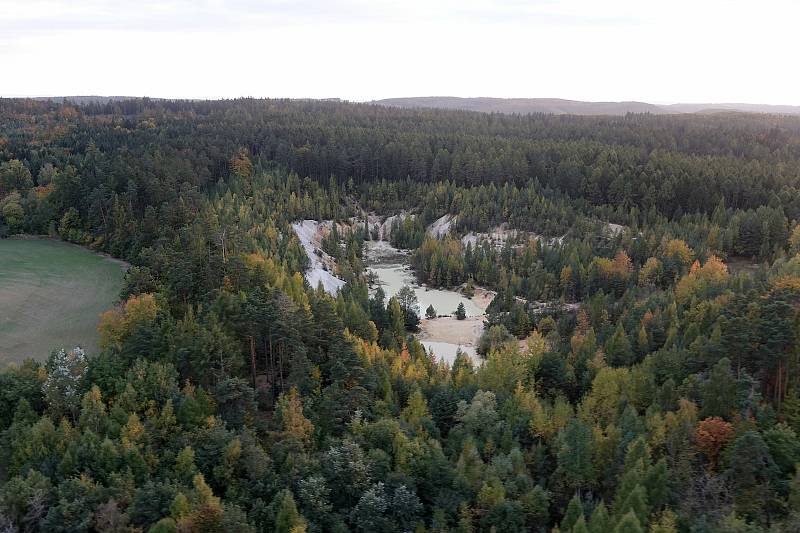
<point x="651" y="267"/>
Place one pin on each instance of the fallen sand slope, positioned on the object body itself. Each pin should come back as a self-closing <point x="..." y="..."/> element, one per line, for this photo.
<point x="483" y="297"/>
<point x="310" y="233"/>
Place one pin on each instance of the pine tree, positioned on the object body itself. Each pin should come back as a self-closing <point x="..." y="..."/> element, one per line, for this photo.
<point x="752" y="473"/>
<point x="430" y="312"/>
<point x="397" y="326"/>
<point x="573" y="513"/>
<point x="794" y="490"/>
<point x="93" y="411"/>
<point x="600" y="522"/>
<point x="536" y="503"/>
<point x="790" y="409"/>
<point x="629" y="524"/>
<point x="180" y="506"/>
<point x="656" y="484"/>
<point x="575" y="456"/>
<point x="185" y="468"/>
<point x="642" y="342"/>
<point x="719" y="392"/>
<point x="580" y="526"/>
<point x="636" y="502"/>
<point x="466" y="519"/>
<point x="469" y="289"/>
<point x="618" y="348"/>
<point x="287" y="518"/>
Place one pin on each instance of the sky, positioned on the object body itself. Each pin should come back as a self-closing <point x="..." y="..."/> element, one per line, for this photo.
<point x="671" y="51"/>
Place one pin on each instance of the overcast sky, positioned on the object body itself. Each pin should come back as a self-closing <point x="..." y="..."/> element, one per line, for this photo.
<point x="655" y="51"/>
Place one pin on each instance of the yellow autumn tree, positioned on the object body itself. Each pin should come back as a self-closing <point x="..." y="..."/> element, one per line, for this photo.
<point x="701" y="279"/>
<point x="115" y="325"/>
<point x="794" y="240"/>
<point x="609" y="387"/>
<point x="676" y="256"/>
<point x="294" y="423"/>
<point x="678" y="250"/>
<point x="415" y="413"/>
<point x="132" y="433"/>
<point x="241" y="166"/>
<point x="651" y="272"/>
<point x="206" y="509"/>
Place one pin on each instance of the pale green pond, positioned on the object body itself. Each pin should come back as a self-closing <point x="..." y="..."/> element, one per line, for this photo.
<point x="393" y="272"/>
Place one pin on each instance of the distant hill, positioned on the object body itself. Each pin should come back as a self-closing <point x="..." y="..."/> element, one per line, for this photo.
<point x="554" y="106"/>
<point x="83" y="100"/>
<point x="557" y="106"/>
<point x="747" y="108"/>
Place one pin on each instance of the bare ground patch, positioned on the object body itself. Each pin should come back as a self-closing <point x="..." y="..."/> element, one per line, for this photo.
<point x="451" y="330"/>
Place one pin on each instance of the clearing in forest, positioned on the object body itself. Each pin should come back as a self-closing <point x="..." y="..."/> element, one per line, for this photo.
<point x="51" y="295"/>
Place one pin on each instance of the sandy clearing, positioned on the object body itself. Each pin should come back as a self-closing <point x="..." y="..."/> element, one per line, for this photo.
<point x="451" y="330"/>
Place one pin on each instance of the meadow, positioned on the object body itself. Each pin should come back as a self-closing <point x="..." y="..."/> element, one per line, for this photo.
<point x="51" y="295"/>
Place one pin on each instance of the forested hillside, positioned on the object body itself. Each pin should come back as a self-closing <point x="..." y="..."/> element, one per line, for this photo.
<point x="640" y="368"/>
<point x="558" y="106"/>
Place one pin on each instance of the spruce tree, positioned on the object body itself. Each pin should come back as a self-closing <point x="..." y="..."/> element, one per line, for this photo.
<point x="618" y="348"/>
<point x="580" y="526"/>
<point x="600" y="522"/>
<point x="629" y="524"/>
<point x="573" y="513"/>
<point x="287" y="517"/>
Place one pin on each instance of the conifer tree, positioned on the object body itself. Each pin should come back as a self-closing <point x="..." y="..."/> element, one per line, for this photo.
<point x="629" y="524"/>
<point x="600" y="522"/>
<point x="430" y="312"/>
<point x="573" y="514"/>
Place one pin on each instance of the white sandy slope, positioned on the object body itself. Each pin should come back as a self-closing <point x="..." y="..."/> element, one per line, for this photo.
<point x="310" y="234"/>
<point x="614" y="229"/>
<point x="441" y="226"/>
<point x="384" y="225"/>
<point x="497" y="236"/>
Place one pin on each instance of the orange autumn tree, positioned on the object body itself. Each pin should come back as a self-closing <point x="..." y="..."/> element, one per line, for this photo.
<point x="711" y="435"/>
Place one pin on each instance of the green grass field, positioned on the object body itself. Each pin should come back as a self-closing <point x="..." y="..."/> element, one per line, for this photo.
<point x="51" y="294"/>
